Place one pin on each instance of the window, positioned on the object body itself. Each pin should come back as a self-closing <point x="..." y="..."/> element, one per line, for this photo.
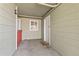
<point x="33" y="25"/>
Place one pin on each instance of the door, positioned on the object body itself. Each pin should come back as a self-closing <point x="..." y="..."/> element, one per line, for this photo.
<point x="47" y="29"/>
<point x="19" y="32"/>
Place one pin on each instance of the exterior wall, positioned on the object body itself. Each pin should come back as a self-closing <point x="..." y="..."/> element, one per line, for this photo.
<point x="26" y="33"/>
<point x="7" y="29"/>
<point x="65" y="29"/>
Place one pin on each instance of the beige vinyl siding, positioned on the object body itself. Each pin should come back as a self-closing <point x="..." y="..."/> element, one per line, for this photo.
<point x="65" y="29"/>
<point x="7" y="29"/>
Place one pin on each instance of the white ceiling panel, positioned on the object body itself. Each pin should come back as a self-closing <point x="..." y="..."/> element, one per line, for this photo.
<point x="32" y="9"/>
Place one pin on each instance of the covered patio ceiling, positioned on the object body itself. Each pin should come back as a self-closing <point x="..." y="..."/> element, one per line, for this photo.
<point x="34" y="9"/>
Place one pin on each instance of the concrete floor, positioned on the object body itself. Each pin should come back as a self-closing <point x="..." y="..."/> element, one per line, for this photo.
<point x="34" y="48"/>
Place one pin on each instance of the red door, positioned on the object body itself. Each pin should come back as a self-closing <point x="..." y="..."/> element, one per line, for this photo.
<point x="19" y="37"/>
